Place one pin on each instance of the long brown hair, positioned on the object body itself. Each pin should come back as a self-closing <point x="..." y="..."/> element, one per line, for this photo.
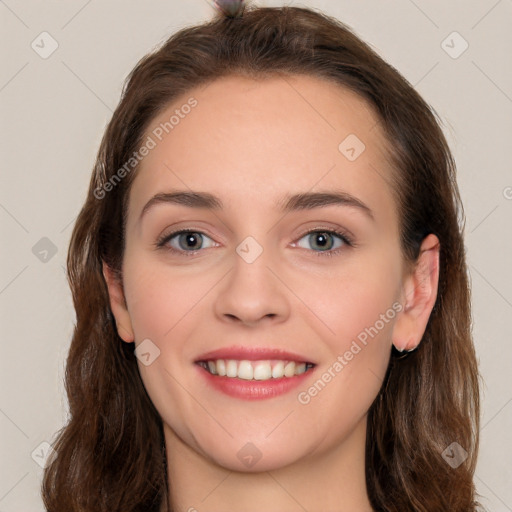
<point x="111" y="454"/>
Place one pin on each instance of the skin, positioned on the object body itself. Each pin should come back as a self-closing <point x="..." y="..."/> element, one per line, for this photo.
<point x="250" y="142"/>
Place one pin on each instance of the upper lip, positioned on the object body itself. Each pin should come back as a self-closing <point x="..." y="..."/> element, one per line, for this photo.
<point x="252" y="354"/>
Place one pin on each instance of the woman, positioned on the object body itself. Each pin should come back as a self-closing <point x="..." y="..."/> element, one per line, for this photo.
<point x="270" y="286"/>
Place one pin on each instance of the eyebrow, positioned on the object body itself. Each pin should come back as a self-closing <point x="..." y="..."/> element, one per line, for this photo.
<point x="302" y="201"/>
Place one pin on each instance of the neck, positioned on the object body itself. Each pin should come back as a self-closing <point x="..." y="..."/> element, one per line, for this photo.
<point x="331" y="480"/>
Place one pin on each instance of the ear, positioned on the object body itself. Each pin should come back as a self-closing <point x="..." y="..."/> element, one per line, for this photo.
<point x="419" y="293"/>
<point x="118" y="304"/>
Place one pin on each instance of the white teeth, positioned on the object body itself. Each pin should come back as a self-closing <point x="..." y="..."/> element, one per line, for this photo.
<point x="278" y="370"/>
<point x="231" y="368"/>
<point x="262" y="371"/>
<point x="212" y="367"/>
<point x="255" y="370"/>
<point x="289" y="369"/>
<point x="245" y="370"/>
<point x="221" y="367"/>
<point x="300" y="368"/>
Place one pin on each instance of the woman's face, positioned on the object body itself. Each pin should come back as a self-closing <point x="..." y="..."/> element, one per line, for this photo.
<point x="263" y="271"/>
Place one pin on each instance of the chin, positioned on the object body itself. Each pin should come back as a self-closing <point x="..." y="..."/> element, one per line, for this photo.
<point x="248" y="458"/>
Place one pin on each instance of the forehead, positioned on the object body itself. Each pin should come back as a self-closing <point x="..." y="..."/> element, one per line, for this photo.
<point x="249" y="141"/>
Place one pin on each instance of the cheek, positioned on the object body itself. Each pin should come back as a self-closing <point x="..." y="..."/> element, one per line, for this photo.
<point x="162" y="304"/>
<point x="355" y="301"/>
<point x="358" y="304"/>
<point x="159" y="299"/>
<point x="361" y="315"/>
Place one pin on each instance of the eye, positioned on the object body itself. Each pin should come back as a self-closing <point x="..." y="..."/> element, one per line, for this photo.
<point x="324" y="241"/>
<point x="185" y="241"/>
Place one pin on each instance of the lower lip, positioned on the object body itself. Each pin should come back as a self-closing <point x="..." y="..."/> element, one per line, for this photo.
<point x="254" y="389"/>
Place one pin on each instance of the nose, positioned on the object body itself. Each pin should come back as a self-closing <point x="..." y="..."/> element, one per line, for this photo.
<point x="252" y="293"/>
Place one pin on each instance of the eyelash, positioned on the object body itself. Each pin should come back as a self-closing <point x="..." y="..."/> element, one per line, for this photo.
<point x="345" y="238"/>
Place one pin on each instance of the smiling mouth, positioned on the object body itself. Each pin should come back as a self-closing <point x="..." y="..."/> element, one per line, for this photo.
<point x="255" y="370"/>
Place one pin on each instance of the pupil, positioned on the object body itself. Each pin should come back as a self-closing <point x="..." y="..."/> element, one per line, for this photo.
<point x="322" y="240"/>
<point x="191" y="240"/>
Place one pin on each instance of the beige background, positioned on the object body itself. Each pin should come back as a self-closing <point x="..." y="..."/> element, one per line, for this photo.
<point x="54" y="110"/>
